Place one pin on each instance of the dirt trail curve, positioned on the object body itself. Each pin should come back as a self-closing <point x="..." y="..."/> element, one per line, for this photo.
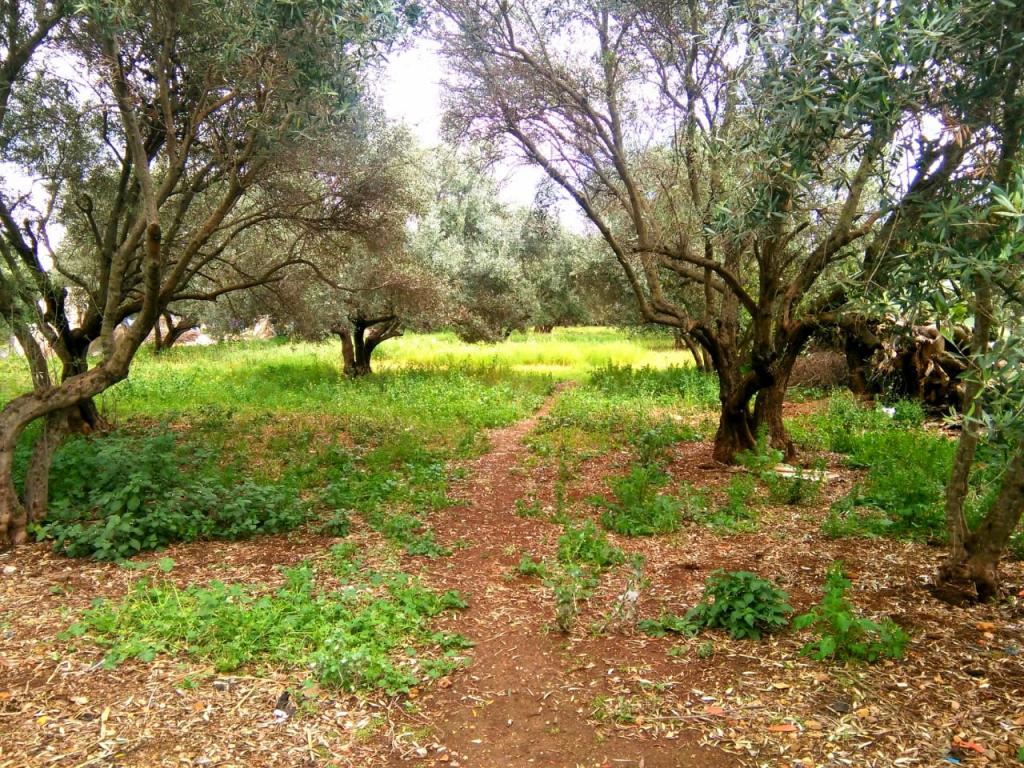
<point x="525" y="699"/>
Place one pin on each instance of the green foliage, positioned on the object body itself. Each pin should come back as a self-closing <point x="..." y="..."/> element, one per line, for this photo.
<point x="761" y="458"/>
<point x="907" y="471"/>
<point x="743" y="604"/>
<point x="376" y="635"/>
<point x="907" y="468"/>
<point x="530" y="567"/>
<point x="667" y="623"/>
<point x="337" y="524"/>
<point x="652" y="444"/>
<point x="388" y="480"/>
<point x="613" y="709"/>
<point x="115" y="496"/>
<point x="687" y="384"/>
<point x="638" y="509"/>
<point x="734" y="516"/>
<point x="842" y="635"/>
<point x="573" y="585"/>
<point x="586" y="544"/>
<point x="531" y="509"/>
<point x="800" y="488"/>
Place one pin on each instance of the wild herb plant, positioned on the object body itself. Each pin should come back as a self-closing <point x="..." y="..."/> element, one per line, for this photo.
<point x="843" y="635"/>
<point x="376" y="634"/>
<point x="637" y="508"/>
<point x="117" y="495"/>
<point x="586" y="544"/>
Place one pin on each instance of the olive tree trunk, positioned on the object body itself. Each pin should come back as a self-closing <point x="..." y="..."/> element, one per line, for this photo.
<point x="359" y="342"/>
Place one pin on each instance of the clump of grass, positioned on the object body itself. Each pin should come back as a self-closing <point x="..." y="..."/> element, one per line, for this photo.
<point x="376" y="635"/>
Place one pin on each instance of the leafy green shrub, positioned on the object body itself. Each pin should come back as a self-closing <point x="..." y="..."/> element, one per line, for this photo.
<point x="741" y="603"/>
<point x="586" y="544"/>
<point x="638" y="509"/>
<point x="841" y="633"/>
<point x="359" y="639"/>
<point x="115" y="496"/>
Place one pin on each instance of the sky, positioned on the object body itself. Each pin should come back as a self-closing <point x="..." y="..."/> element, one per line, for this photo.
<point x="411" y="93"/>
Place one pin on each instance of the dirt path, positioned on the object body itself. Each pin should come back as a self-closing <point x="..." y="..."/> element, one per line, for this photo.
<point x="527" y="698"/>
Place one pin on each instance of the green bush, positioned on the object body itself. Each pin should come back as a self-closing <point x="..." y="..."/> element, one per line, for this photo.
<point x="638" y="509"/>
<point x="586" y="544"/>
<point x="843" y="635"/>
<point x="743" y="604"/>
<point x="115" y="496"/>
<point x="359" y="639"/>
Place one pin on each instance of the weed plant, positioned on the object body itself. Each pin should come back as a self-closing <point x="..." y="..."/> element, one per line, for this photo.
<point x="586" y="544"/>
<point x="637" y="509"/>
<point x="373" y="635"/>
<point x="741" y="603"/>
<point x="115" y="496"/>
<point x="906" y="469"/>
<point x="843" y="635"/>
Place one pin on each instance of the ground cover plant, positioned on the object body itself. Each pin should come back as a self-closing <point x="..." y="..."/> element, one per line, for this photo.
<point x="116" y="496"/>
<point x="375" y="634"/>
<point x="742" y="603"/>
<point x="905" y="466"/>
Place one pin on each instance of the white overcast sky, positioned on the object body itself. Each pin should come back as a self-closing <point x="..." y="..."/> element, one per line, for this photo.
<point x="411" y="93"/>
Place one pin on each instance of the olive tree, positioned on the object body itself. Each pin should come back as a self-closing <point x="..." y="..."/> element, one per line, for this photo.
<point x="778" y="130"/>
<point x="187" y="108"/>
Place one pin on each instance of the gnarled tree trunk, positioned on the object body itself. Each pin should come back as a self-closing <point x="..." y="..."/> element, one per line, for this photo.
<point x="768" y="408"/>
<point x="366" y="335"/>
<point x="973" y="568"/>
<point x="166" y="332"/>
<point x="17" y="414"/>
<point x="736" y="430"/>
